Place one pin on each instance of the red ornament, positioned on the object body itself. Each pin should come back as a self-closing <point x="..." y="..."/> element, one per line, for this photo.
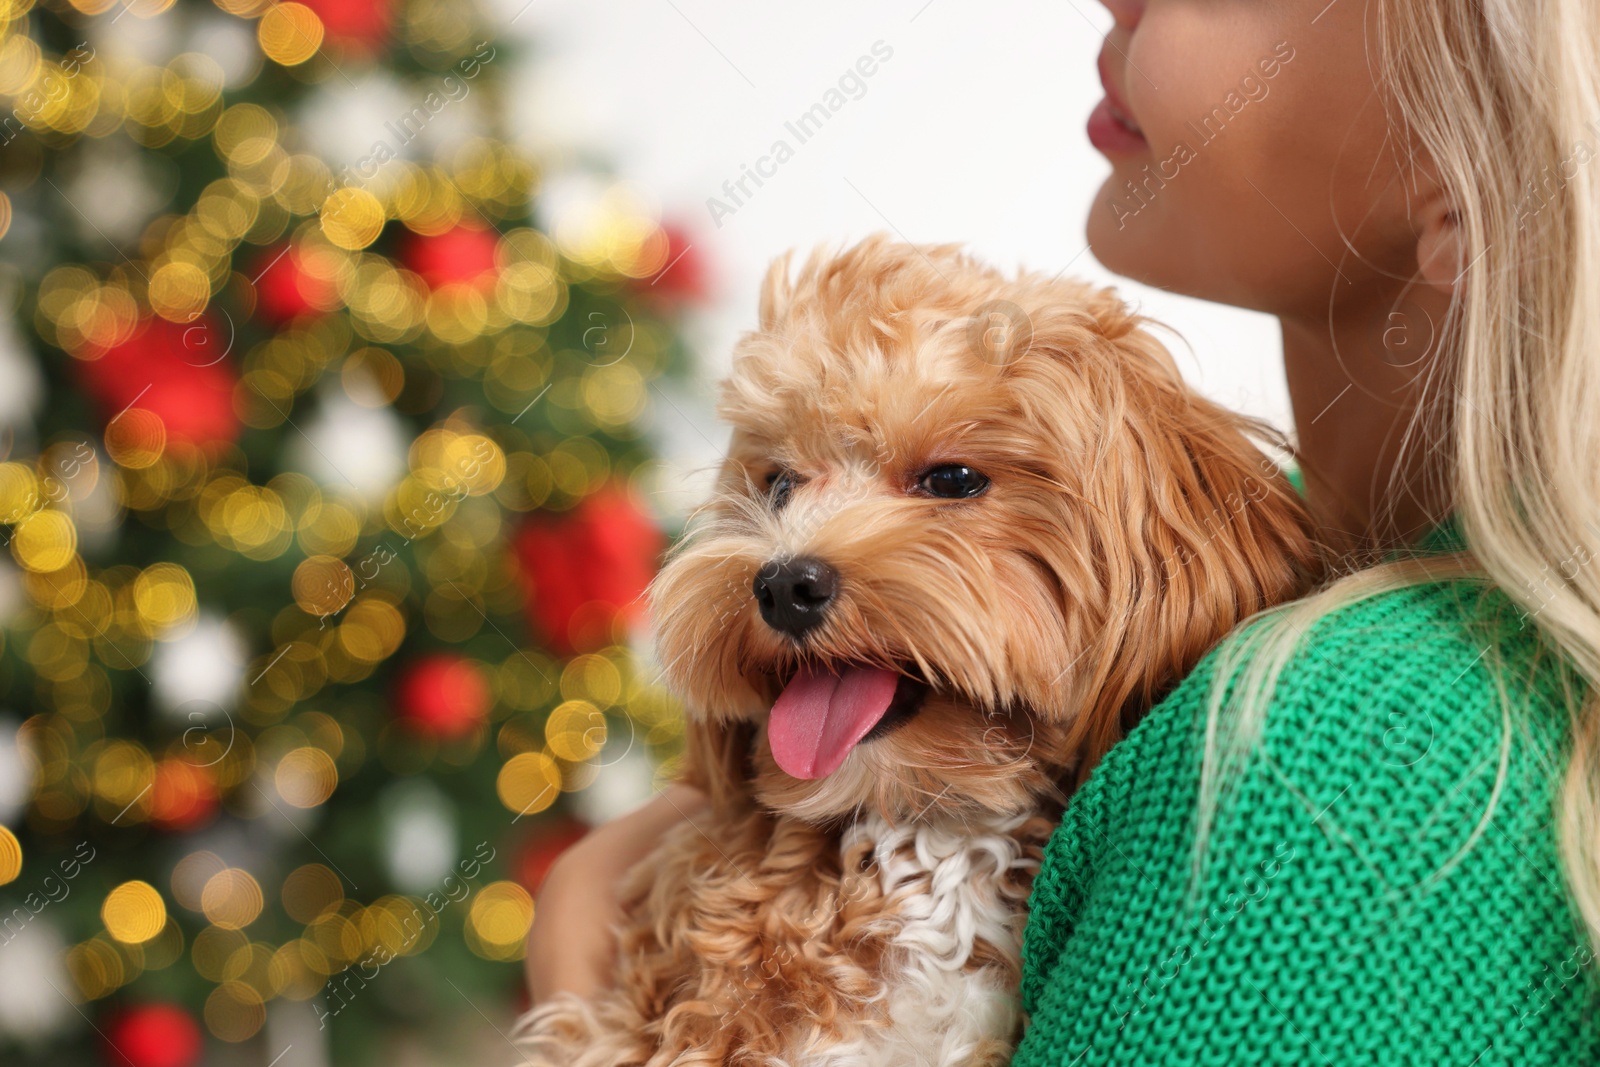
<point x="153" y="1035"/>
<point x="463" y="254"/>
<point x="357" y="24"/>
<point x="588" y="568"/>
<point x="682" y="275"/>
<point x="284" y="289"/>
<point x="443" y="696"/>
<point x="179" y="372"/>
<point x="549" y="839"/>
<point x="183" y="796"/>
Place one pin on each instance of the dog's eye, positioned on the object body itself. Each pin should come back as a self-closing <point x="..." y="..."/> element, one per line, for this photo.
<point x="779" y="485"/>
<point x="952" y="481"/>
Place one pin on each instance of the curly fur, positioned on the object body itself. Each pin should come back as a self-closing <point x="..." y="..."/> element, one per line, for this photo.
<point x="872" y="916"/>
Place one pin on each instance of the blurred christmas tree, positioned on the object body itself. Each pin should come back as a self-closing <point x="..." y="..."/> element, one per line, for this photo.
<point x="322" y="479"/>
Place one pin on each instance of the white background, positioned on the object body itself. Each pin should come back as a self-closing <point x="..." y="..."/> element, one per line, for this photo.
<point x="971" y="132"/>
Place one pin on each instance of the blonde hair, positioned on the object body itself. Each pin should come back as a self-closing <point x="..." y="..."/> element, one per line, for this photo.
<point x="1504" y="97"/>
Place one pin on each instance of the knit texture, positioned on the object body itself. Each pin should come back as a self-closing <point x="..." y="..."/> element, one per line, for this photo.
<point x="1358" y="906"/>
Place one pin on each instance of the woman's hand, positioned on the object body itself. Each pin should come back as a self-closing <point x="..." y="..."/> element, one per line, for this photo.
<point x="570" y="946"/>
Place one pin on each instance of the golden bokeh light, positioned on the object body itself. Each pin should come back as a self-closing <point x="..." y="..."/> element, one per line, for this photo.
<point x="44" y="541"/>
<point x="372" y="629"/>
<point x="136" y="439"/>
<point x="333" y="940"/>
<point x="474" y="462"/>
<point x="234" y="1012"/>
<point x="351" y="218"/>
<point x="290" y="975"/>
<point x="322" y="585"/>
<point x="165" y="597"/>
<point x="134" y="912"/>
<point x="5" y="215"/>
<point x="456" y="314"/>
<point x="593" y="678"/>
<point x="249" y="519"/>
<point x="302" y="183"/>
<point x="498" y="920"/>
<point x="309" y="891"/>
<point x="19" y="492"/>
<point x="179" y="291"/>
<point x="387" y="305"/>
<point x="213" y="948"/>
<point x="306" y="777"/>
<point x="10" y="856"/>
<point x="289" y="33"/>
<point x="227" y="209"/>
<point x="231" y="898"/>
<point x="122" y="778"/>
<point x="245" y="134"/>
<point x="399" y="925"/>
<point x="614" y="394"/>
<point x="20" y="60"/>
<point x="528" y="783"/>
<point x="575" y="730"/>
<point x="96" y="968"/>
<point x="249" y="964"/>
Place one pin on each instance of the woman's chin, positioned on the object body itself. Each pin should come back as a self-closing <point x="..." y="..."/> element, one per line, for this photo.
<point x="1117" y="239"/>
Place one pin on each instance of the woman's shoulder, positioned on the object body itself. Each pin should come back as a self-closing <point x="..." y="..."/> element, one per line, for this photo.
<point x="1427" y="670"/>
<point x="1387" y="842"/>
<point x="1412" y="721"/>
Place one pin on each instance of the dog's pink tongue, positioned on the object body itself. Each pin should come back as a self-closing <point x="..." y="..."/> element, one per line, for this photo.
<point x="819" y="717"/>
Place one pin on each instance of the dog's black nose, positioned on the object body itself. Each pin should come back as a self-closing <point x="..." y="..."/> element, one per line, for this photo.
<point x="794" y="594"/>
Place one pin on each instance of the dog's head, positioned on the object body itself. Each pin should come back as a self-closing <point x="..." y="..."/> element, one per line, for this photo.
<point x="968" y="528"/>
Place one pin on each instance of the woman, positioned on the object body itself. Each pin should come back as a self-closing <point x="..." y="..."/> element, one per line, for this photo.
<point x="1364" y="829"/>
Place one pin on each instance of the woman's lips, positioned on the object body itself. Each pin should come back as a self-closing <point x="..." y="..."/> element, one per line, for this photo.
<point x="1111" y="132"/>
<point x="1112" y="128"/>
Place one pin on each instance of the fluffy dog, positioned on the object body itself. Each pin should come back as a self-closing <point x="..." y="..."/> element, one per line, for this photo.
<point x="969" y="528"/>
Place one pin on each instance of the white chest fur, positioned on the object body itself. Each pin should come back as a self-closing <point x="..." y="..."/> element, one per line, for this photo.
<point x="946" y="1008"/>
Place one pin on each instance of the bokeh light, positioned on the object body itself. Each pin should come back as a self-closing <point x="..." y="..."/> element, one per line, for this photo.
<point x="235" y="1012"/>
<point x="190" y="875"/>
<point x="289" y="33"/>
<point x="309" y="891"/>
<point x="498" y="920"/>
<point x="134" y="912"/>
<point x="231" y="898"/>
<point x="10" y="856"/>
<point x="351" y="218"/>
<point x="306" y="777"/>
<point x="529" y="782"/>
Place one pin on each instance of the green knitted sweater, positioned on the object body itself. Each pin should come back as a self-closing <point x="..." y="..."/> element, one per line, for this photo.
<point x="1357" y="906"/>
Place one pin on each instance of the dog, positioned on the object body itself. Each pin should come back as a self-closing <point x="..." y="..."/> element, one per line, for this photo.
<point x="969" y="528"/>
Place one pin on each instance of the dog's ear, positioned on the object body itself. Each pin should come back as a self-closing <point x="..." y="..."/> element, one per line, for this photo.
<point x="1196" y="529"/>
<point x="716" y="759"/>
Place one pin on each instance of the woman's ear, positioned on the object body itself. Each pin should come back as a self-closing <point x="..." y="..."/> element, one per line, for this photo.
<point x="1441" y="250"/>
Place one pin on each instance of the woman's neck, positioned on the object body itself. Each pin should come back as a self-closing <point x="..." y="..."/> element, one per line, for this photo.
<point x="1355" y="382"/>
